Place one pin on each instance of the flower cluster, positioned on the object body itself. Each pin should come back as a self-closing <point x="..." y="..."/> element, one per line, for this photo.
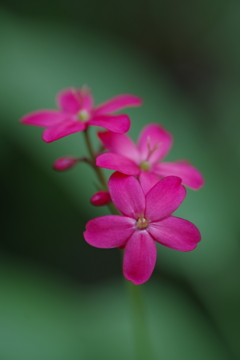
<point x="142" y="193"/>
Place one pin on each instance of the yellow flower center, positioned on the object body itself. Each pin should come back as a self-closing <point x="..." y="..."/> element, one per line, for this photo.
<point x="145" y="165"/>
<point x="83" y="115"/>
<point x="142" y="223"/>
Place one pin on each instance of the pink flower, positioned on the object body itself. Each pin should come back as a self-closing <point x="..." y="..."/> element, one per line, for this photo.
<point x="146" y="207"/>
<point x="77" y="112"/>
<point x="153" y="145"/>
<point x="65" y="163"/>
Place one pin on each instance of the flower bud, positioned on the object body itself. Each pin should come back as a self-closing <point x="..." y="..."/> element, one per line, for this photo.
<point x="64" y="163"/>
<point x="100" y="198"/>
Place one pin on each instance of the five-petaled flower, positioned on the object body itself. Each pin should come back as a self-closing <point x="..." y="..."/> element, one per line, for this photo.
<point x="77" y="112"/>
<point x="146" y="207"/>
<point x="153" y="145"/>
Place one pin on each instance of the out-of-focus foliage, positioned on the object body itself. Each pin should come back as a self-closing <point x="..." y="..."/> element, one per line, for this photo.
<point x="59" y="297"/>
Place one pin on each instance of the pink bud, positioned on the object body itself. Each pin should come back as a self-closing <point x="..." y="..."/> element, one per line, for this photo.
<point x="100" y="198"/>
<point x="64" y="163"/>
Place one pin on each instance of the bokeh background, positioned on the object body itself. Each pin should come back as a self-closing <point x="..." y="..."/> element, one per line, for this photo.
<point x="60" y="298"/>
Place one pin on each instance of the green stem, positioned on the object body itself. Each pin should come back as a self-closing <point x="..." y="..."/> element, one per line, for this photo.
<point x="143" y="345"/>
<point x="93" y="158"/>
<point x="98" y="170"/>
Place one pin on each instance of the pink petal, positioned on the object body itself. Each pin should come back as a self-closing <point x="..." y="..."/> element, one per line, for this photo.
<point x="87" y="100"/>
<point x="147" y="181"/>
<point x="65" y="128"/>
<point x="43" y="118"/>
<point x="120" y="144"/>
<point x="117" y="103"/>
<point x="118" y="163"/>
<point x="116" y="123"/>
<point x="190" y="175"/>
<point x="175" y="233"/>
<point x="69" y="100"/>
<point x="127" y="195"/>
<point x="154" y="136"/>
<point x="164" y="198"/>
<point x="109" y="231"/>
<point x="140" y="256"/>
<point x="73" y="100"/>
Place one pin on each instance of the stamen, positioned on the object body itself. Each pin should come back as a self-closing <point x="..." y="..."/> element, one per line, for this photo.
<point x="145" y="165"/>
<point x="151" y="151"/>
<point x="83" y="115"/>
<point x="80" y="94"/>
<point x="142" y="223"/>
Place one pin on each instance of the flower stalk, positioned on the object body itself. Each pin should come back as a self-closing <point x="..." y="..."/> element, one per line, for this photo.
<point x="143" y="346"/>
<point x="97" y="169"/>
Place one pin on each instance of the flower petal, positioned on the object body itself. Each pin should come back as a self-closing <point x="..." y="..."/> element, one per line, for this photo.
<point x="190" y="175"/>
<point x="140" y="256"/>
<point x="43" y="118"/>
<point x="69" y="100"/>
<point x="147" y="181"/>
<point x="164" y="198"/>
<point x="175" y="233"/>
<point x="118" y="163"/>
<point x="153" y="136"/>
<point x="73" y="100"/>
<point x="87" y="99"/>
<point x="109" y="231"/>
<point x="65" y="128"/>
<point x="117" y="103"/>
<point x="116" y="123"/>
<point x="120" y="144"/>
<point x="127" y="195"/>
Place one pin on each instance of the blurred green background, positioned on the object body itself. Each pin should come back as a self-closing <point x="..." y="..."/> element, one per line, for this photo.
<point x="59" y="297"/>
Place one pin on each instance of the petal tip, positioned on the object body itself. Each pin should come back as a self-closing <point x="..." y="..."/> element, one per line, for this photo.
<point x="26" y="119"/>
<point x="200" y="184"/>
<point x="125" y="126"/>
<point x="46" y="138"/>
<point x="139" y="101"/>
<point x="22" y="120"/>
